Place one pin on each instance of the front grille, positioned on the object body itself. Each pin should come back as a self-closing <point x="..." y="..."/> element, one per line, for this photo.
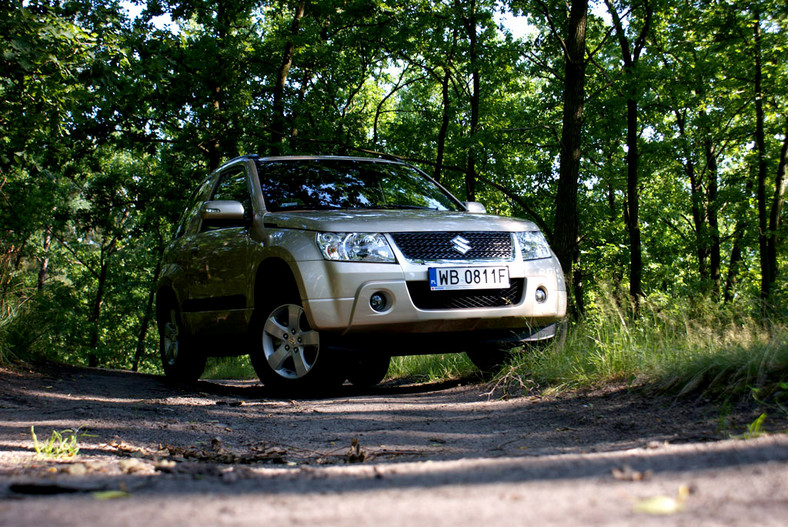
<point x="431" y="246"/>
<point x="423" y="298"/>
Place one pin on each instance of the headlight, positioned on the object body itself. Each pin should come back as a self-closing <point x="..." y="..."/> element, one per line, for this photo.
<point x="355" y="247"/>
<point x="533" y="245"/>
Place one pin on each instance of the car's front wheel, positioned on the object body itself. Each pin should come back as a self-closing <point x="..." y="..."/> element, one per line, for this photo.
<point x="288" y="354"/>
<point x="181" y="359"/>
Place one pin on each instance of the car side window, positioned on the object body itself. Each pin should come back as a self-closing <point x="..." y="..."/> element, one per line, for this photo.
<point x="193" y="207"/>
<point x="232" y="186"/>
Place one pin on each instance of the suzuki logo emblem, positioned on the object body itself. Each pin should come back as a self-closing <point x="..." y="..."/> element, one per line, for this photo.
<point x="460" y="244"/>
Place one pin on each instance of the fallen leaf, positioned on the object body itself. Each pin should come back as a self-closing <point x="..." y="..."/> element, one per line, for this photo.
<point x="664" y="505"/>
<point x="659" y="505"/>
<point x="111" y="494"/>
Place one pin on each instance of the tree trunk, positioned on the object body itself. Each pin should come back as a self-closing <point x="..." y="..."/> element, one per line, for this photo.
<point x="278" y="121"/>
<point x="633" y="205"/>
<point x="95" y="315"/>
<point x="444" y="129"/>
<point x="216" y="126"/>
<point x="44" y="267"/>
<point x="566" y="228"/>
<point x="470" y="173"/>
<point x="715" y="254"/>
<point x="775" y="215"/>
<point x="767" y="271"/>
<point x="698" y="201"/>
<point x="631" y="55"/>
<point x="738" y="239"/>
<point x="736" y="258"/>
<point x="146" y="318"/>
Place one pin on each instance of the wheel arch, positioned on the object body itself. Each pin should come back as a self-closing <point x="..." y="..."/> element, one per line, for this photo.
<point x="286" y="284"/>
<point x="165" y="296"/>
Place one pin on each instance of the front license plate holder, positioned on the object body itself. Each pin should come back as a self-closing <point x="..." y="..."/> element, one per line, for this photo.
<point x="458" y="278"/>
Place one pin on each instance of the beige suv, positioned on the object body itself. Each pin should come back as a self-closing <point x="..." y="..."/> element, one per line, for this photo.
<point x="322" y="268"/>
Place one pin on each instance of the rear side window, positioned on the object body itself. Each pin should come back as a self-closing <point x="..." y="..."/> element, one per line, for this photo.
<point x="191" y="213"/>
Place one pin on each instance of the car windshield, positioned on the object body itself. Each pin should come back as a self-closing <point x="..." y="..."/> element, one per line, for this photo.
<point x="320" y="184"/>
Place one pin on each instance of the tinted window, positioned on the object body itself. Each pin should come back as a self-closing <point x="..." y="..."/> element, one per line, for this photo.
<point x="232" y="186"/>
<point x="348" y="184"/>
<point x="193" y="207"/>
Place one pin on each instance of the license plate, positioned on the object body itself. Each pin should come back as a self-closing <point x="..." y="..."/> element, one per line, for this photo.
<point x="443" y="278"/>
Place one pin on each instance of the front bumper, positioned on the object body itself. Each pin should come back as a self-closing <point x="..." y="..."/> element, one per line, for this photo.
<point x="337" y="298"/>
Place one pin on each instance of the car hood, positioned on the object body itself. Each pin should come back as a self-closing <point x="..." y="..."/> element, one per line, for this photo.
<point x="394" y="221"/>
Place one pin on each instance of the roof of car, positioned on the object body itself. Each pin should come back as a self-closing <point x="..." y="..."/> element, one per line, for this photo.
<point x="257" y="158"/>
<point x="327" y="157"/>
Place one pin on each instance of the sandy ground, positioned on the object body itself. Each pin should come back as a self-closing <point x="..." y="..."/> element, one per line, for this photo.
<point x="229" y="453"/>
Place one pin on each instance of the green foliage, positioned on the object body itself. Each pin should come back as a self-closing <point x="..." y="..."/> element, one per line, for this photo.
<point x="431" y="368"/>
<point x="674" y="346"/>
<point x="107" y="123"/>
<point x="755" y="428"/>
<point x="743" y="358"/>
<point x="63" y="444"/>
<point x="229" y="368"/>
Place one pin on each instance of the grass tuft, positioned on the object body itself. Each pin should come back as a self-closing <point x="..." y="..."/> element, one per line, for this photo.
<point x="674" y="346"/>
<point x="239" y="367"/>
<point x="755" y="358"/>
<point x="431" y="368"/>
<point x="64" y="444"/>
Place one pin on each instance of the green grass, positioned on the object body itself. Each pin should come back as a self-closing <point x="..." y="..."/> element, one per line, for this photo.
<point x="421" y="368"/>
<point x="63" y="444"/>
<point x="756" y="358"/>
<point x="673" y="346"/>
<point x="7" y="316"/>
<point x="229" y="368"/>
<point x="431" y="368"/>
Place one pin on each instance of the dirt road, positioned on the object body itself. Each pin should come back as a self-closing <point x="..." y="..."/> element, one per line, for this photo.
<point x="229" y="453"/>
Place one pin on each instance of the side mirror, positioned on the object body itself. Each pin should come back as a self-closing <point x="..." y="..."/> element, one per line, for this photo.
<point x="223" y="214"/>
<point x="474" y="207"/>
<point x="223" y="211"/>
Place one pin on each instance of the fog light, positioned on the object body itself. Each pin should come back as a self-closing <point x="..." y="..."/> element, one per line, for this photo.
<point x="541" y="295"/>
<point x="378" y="302"/>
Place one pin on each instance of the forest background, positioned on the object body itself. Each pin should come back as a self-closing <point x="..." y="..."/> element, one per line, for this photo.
<point x="647" y="138"/>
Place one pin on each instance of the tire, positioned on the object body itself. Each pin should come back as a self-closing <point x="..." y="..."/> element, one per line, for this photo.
<point x="489" y="360"/>
<point x="181" y="359"/>
<point x="288" y="355"/>
<point x="368" y="370"/>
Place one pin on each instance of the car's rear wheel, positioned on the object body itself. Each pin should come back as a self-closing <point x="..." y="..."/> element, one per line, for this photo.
<point x="488" y="359"/>
<point x="288" y="354"/>
<point x="181" y="358"/>
<point x="367" y="370"/>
